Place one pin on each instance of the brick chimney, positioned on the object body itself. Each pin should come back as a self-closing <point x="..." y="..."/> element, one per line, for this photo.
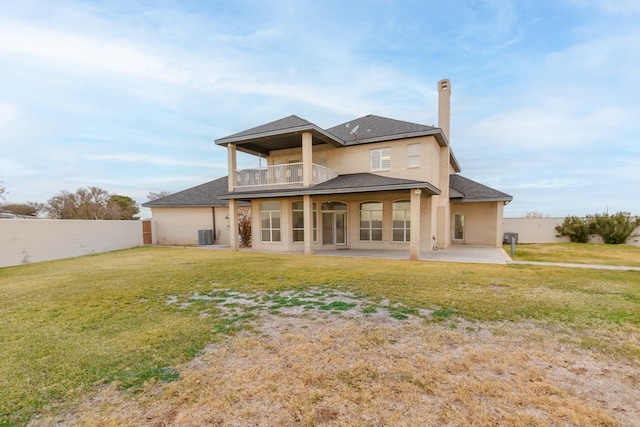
<point x="444" y="106"/>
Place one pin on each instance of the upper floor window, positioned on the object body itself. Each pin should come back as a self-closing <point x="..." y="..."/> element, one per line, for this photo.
<point x="381" y="159"/>
<point x="270" y="221"/>
<point x="371" y="221"/>
<point x="413" y="155"/>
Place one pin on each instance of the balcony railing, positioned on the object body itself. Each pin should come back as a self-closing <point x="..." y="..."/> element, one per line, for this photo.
<point x="288" y="175"/>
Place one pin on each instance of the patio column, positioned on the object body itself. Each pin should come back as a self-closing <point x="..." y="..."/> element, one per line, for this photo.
<point x="499" y="219"/>
<point x="233" y="227"/>
<point x="307" y="207"/>
<point x="231" y="160"/>
<point x="414" y="242"/>
<point x="307" y="159"/>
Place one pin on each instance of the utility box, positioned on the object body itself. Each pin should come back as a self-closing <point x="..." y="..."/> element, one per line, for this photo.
<point x="205" y="237"/>
<point x="506" y="239"/>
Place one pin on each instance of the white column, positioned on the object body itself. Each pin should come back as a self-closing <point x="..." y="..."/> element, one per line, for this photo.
<point x="414" y="243"/>
<point x="231" y="160"/>
<point x="499" y="219"/>
<point x="307" y="206"/>
<point x="307" y="159"/>
<point x="234" y="230"/>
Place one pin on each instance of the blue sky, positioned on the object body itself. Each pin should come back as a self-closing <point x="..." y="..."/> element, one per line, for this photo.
<point x="129" y="96"/>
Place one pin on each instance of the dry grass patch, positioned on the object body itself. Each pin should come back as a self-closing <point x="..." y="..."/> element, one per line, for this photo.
<point x="309" y="366"/>
<point x="578" y="253"/>
<point x="128" y="319"/>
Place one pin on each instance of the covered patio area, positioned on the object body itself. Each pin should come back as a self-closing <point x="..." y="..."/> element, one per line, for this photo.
<point x="454" y="253"/>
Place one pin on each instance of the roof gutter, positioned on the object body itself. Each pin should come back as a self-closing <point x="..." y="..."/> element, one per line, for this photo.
<point x="328" y="191"/>
<point x="465" y="200"/>
<point x="436" y="132"/>
<point x="280" y="132"/>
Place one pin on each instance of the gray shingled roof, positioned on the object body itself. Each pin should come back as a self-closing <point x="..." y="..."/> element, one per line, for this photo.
<point x="286" y="123"/>
<point x="215" y="193"/>
<point x="366" y="180"/>
<point x="472" y="191"/>
<point x="285" y="133"/>
<point x="371" y="128"/>
<point x="199" y="196"/>
<point x="278" y="135"/>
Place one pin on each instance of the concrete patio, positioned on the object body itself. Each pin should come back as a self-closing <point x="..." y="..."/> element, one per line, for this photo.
<point x="454" y="253"/>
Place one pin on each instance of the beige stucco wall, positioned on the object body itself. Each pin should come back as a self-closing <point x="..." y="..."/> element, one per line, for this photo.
<point x="543" y="230"/>
<point x="482" y="222"/>
<point x="434" y="168"/>
<point x="353" y="229"/>
<point x="356" y="159"/>
<point x="24" y="241"/>
<point x="179" y="226"/>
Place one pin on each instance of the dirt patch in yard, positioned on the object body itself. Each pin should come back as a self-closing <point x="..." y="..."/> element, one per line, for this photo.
<point x="318" y="357"/>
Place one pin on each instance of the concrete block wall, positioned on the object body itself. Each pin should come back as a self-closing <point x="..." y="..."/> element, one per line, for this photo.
<point x="24" y="241"/>
<point x="543" y="230"/>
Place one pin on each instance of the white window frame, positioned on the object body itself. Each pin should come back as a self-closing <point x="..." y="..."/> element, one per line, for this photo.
<point x="401" y="216"/>
<point x="298" y="209"/>
<point x="367" y="218"/>
<point x="413" y="155"/>
<point x="381" y="159"/>
<point x="270" y="222"/>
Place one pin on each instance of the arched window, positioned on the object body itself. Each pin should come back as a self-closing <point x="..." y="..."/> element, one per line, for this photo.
<point x="371" y="221"/>
<point x="401" y="221"/>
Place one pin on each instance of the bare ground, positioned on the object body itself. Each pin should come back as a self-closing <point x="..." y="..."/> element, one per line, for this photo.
<point x="301" y="365"/>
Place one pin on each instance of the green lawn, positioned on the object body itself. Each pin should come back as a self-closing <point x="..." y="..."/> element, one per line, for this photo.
<point x="578" y="253"/>
<point x="69" y="326"/>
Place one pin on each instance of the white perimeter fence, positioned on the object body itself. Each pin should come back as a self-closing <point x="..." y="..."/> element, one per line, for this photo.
<point x="543" y="230"/>
<point x="24" y="241"/>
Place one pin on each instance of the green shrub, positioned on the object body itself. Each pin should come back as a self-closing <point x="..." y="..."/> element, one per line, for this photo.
<point x="575" y="228"/>
<point x="614" y="229"/>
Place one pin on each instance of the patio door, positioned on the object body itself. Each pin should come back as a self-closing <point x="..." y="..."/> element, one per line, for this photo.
<point x="458" y="227"/>
<point x="334" y="224"/>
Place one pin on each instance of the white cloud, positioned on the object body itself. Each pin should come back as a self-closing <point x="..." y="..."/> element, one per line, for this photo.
<point x="150" y="159"/>
<point x="107" y="55"/>
<point x="556" y="124"/>
<point x="12" y="168"/>
<point x="550" y="184"/>
<point x="612" y="7"/>
<point x="8" y="113"/>
<point x="488" y="27"/>
<point x="92" y="86"/>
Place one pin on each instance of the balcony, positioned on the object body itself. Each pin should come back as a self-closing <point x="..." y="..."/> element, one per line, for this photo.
<point x="280" y="176"/>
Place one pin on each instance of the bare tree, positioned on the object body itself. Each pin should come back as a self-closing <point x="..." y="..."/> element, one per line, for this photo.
<point x="91" y="203"/>
<point x="535" y="214"/>
<point x="63" y="206"/>
<point x="155" y="196"/>
<point x="3" y="191"/>
<point x="25" y="209"/>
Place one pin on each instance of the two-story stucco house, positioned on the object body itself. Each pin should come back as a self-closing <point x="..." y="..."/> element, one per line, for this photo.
<point x="370" y="183"/>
